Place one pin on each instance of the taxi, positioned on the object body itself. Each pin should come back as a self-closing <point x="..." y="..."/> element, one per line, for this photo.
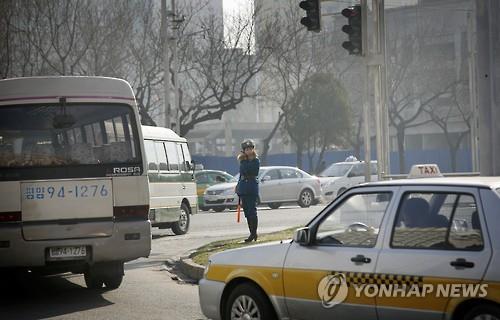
<point x="403" y="249"/>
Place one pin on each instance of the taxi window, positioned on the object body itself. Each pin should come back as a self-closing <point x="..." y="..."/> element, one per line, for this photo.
<point x="440" y="221"/>
<point x="355" y="222"/>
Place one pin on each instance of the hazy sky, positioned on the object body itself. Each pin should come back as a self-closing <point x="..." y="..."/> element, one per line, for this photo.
<point x="230" y="6"/>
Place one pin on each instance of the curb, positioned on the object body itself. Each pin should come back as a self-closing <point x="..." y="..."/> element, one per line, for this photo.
<point x="190" y="268"/>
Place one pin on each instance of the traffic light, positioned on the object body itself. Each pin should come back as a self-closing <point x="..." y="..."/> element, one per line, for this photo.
<point x="354" y="30"/>
<point x="313" y="19"/>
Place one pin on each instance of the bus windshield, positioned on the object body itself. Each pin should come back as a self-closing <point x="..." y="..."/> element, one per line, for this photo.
<point x="51" y="136"/>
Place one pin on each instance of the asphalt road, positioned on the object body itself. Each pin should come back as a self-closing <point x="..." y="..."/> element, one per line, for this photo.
<point x="149" y="289"/>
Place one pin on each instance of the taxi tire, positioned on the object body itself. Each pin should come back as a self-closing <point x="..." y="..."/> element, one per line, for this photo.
<point x="219" y="209"/>
<point x="176" y="226"/>
<point x="263" y="304"/>
<point x="483" y="310"/>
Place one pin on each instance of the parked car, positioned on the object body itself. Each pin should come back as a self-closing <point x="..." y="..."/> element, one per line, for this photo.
<point x="207" y="178"/>
<point x="366" y="253"/>
<point x="340" y="176"/>
<point x="277" y="185"/>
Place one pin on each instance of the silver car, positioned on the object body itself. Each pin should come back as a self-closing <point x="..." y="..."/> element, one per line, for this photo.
<point x="277" y="185"/>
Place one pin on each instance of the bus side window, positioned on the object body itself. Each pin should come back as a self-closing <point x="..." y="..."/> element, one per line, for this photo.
<point x="149" y="147"/>
<point x="187" y="156"/>
<point x="162" y="156"/>
<point x="173" y="157"/>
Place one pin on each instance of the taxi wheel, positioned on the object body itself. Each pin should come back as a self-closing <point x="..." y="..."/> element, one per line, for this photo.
<point x="306" y="198"/>
<point x="483" y="312"/>
<point x="247" y="301"/>
<point x="219" y="209"/>
<point x="182" y="225"/>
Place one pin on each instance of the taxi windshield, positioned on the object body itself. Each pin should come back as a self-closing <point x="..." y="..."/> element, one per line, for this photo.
<point x="336" y="170"/>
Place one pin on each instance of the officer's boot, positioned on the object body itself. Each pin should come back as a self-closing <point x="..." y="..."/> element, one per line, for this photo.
<point x="250" y="228"/>
<point x="254" y="227"/>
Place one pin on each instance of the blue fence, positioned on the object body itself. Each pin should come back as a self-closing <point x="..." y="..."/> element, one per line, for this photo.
<point x="440" y="157"/>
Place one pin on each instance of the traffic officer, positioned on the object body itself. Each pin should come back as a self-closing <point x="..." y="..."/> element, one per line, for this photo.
<point x="248" y="188"/>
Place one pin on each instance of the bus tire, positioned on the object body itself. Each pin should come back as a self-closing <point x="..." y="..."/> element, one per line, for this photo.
<point x="92" y="281"/>
<point x="113" y="281"/>
<point x="182" y="225"/>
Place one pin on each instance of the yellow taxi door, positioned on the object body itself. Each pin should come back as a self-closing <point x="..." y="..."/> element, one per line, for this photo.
<point x="436" y="251"/>
<point x="321" y="278"/>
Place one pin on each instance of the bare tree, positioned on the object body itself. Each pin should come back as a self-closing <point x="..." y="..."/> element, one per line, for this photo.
<point x="320" y="97"/>
<point x="296" y="56"/>
<point x="445" y="116"/>
<point x="414" y="85"/>
<point x="218" y="72"/>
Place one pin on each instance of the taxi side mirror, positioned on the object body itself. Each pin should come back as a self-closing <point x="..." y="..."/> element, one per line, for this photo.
<point x="266" y="178"/>
<point x="302" y="236"/>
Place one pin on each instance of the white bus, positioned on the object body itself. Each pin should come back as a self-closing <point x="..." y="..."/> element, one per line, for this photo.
<point x="172" y="186"/>
<point x="73" y="190"/>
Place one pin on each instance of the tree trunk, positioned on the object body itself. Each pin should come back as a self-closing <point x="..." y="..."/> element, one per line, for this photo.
<point x="401" y="149"/>
<point x="357" y="150"/>
<point x="267" y="140"/>
<point x="299" y="156"/>
<point x="453" y="158"/>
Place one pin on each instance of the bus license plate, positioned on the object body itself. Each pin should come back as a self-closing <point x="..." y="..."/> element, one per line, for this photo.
<point x="68" y="252"/>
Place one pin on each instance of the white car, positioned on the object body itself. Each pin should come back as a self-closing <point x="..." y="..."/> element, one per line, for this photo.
<point x="277" y="185"/>
<point x="340" y="176"/>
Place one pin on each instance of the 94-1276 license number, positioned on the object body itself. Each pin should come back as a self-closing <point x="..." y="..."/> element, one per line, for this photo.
<point x="68" y="252"/>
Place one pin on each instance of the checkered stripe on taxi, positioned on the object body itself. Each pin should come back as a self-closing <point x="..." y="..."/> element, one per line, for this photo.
<point x="360" y="278"/>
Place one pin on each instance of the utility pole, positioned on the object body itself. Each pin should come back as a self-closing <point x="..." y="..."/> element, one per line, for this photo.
<point x="166" y="60"/>
<point x="473" y="92"/>
<point x="176" y="21"/>
<point x="489" y="115"/>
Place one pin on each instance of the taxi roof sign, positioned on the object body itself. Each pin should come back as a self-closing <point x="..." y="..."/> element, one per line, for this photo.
<point x="424" y="171"/>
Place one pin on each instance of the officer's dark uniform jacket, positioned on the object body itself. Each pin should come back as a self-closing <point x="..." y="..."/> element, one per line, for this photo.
<point x="248" y="187"/>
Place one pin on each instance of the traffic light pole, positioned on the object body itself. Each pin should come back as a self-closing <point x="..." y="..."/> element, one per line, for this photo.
<point x="366" y="90"/>
<point x="376" y="64"/>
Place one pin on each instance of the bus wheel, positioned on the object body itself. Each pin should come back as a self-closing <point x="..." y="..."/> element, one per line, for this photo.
<point x="182" y="226"/>
<point x="92" y="281"/>
<point x="113" y="281"/>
